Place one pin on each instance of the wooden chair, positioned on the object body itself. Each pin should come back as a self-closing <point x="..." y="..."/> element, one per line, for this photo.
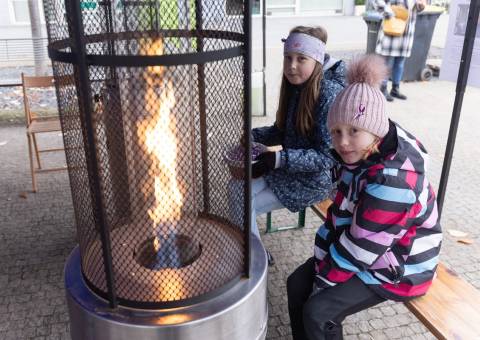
<point x="37" y="125"/>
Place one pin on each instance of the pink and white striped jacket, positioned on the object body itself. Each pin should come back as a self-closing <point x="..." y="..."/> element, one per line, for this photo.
<point x="383" y="225"/>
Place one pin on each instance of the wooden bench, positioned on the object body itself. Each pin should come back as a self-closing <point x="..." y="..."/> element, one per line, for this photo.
<point x="451" y="307"/>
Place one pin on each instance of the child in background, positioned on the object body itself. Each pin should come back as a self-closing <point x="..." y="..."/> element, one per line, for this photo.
<point x="299" y="174"/>
<point x="382" y="238"/>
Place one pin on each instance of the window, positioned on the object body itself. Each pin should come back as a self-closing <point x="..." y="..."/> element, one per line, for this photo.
<point x="256" y="7"/>
<point x="19" y="11"/>
<point x="234" y="7"/>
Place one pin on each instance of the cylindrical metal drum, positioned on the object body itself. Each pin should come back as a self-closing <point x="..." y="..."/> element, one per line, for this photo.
<point x="240" y="313"/>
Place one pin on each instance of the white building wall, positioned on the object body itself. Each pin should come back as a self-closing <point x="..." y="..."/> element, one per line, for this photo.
<point x="9" y="29"/>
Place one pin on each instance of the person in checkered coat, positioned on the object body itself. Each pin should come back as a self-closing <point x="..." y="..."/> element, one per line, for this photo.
<point x="396" y="49"/>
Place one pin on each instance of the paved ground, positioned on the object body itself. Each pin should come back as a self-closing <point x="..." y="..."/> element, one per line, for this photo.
<point x="37" y="230"/>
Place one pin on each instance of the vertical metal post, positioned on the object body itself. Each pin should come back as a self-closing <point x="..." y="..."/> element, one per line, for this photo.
<point x="114" y="126"/>
<point x="202" y="108"/>
<point x="264" y="52"/>
<point x="247" y="115"/>
<point x="85" y="104"/>
<point x="464" y="68"/>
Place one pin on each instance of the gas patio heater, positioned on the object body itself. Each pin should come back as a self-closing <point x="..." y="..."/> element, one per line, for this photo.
<point x="151" y="96"/>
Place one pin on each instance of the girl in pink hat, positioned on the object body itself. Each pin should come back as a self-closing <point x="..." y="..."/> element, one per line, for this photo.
<point x="382" y="238"/>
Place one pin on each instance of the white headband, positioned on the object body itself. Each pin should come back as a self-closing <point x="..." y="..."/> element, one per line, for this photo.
<point x="305" y="44"/>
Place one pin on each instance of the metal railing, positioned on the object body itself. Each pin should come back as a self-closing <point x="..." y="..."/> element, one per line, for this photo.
<point x="19" y="49"/>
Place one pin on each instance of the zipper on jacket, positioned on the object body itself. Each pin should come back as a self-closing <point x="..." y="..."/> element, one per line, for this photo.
<point x="396" y="277"/>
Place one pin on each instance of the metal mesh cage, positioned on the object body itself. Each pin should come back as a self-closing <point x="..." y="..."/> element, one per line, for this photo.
<point x="152" y="96"/>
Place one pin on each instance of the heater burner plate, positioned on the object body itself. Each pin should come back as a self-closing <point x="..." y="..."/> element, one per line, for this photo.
<point x="169" y="251"/>
<point x="219" y="259"/>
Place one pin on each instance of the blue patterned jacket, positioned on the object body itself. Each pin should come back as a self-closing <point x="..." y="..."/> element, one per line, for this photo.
<point x="304" y="176"/>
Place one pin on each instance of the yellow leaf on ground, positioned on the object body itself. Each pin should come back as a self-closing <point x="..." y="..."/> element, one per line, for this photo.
<point x="457" y="233"/>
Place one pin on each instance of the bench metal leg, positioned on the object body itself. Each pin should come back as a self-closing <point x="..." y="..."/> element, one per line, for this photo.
<point x="301" y="218"/>
<point x="272" y="229"/>
<point x="269" y="223"/>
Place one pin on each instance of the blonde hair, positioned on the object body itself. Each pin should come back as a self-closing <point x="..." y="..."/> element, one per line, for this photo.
<point x="308" y="98"/>
<point x="372" y="148"/>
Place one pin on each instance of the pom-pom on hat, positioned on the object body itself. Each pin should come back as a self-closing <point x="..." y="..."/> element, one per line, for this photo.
<point x="361" y="103"/>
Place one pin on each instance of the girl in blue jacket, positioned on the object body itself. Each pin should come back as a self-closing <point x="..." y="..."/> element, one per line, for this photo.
<point x="299" y="174"/>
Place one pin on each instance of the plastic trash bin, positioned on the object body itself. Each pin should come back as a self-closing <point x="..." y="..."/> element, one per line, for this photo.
<point x="373" y="21"/>
<point x="415" y="65"/>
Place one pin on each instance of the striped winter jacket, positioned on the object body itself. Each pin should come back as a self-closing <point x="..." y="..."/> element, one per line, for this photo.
<point x="383" y="224"/>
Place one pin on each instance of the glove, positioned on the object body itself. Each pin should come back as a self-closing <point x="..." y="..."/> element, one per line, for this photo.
<point x="265" y="162"/>
<point x="276" y="139"/>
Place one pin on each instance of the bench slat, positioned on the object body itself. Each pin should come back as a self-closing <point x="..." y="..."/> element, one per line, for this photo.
<point x="450" y="309"/>
<point x="321" y="208"/>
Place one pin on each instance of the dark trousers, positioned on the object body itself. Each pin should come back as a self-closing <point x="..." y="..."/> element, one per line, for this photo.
<point x="320" y="316"/>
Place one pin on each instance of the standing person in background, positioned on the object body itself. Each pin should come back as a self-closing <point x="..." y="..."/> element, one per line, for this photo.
<point x="396" y="49"/>
<point x="299" y="174"/>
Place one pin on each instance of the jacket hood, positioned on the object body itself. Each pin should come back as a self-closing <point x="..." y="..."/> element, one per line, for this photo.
<point x="334" y="70"/>
<point x="409" y="155"/>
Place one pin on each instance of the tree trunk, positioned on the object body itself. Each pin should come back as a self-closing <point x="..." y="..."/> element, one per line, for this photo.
<point x="39" y="51"/>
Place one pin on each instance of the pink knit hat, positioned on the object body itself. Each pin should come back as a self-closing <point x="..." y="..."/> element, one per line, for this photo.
<point x="361" y="103"/>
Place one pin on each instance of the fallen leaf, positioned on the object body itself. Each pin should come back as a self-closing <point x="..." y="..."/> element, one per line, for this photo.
<point x="465" y="240"/>
<point x="23" y="194"/>
<point x="3" y="142"/>
<point x="457" y="233"/>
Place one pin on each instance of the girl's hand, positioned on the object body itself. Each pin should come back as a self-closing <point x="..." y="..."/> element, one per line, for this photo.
<point x="264" y="163"/>
<point x="388" y="12"/>
<point x="421" y="5"/>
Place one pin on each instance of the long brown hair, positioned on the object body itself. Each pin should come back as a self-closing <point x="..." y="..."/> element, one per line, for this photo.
<point x="310" y="92"/>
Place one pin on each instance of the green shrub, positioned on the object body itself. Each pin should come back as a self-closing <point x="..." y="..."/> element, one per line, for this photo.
<point x="359" y="2"/>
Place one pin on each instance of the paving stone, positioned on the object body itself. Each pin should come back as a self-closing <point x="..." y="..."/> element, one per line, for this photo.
<point x="378" y="324"/>
<point x="351" y="337"/>
<point x="388" y="311"/>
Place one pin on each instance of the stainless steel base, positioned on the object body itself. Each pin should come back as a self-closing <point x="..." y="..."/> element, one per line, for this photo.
<point x="240" y="313"/>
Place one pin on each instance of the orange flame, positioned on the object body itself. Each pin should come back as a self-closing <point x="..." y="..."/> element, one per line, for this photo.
<point x="158" y="134"/>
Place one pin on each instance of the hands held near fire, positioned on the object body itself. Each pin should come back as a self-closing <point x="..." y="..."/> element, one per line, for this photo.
<point x="265" y="162"/>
